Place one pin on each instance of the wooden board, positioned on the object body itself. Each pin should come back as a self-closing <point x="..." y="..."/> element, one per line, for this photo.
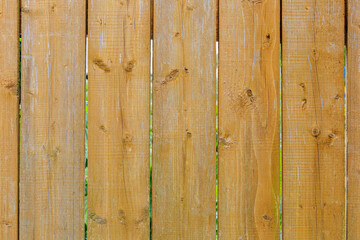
<point x="9" y="116"/>
<point x="52" y="119"/>
<point x="313" y="119"/>
<point x="249" y="120"/>
<point x="353" y="110"/>
<point x="217" y="19"/>
<point x="119" y="119"/>
<point x="184" y="157"/>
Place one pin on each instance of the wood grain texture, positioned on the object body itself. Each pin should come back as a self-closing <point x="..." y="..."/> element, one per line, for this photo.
<point x="9" y="116"/>
<point x="249" y="120"/>
<point x="353" y="124"/>
<point x="217" y="20"/>
<point x="52" y="119"/>
<point x="184" y="157"/>
<point x="119" y="119"/>
<point x="313" y="119"/>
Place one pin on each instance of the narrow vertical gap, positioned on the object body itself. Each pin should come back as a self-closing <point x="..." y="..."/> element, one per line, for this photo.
<point x="346" y="23"/>
<point x="151" y="114"/>
<point x="281" y="128"/>
<point x="346" y="135"/>
<point x="19" y="116"/>
<point x="281" y="148"/>
<point x="86" y="138"/>
<point x="281" y="23"/>
<point x="345" y="112"/>
<point x="217" y="140"/>
<point x="217" y="114"/>
<point x="86" y="117"/>
<point x="151" y="131"/>
<point x="19" y="132"/>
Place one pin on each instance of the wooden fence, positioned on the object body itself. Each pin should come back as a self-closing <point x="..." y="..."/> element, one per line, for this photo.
<point x="207" y="178"/>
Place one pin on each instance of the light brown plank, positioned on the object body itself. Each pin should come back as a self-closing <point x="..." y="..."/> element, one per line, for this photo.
<point x="119" y="119"/>
<point x="52" y="119"/>
<point x="353" y="127"/>
<point x="9" y="116"/>
<point x="184" y="157"/>
<point x="249" y="120"/>
<point x="217" y="18"/>
<point x="313" y="119"/>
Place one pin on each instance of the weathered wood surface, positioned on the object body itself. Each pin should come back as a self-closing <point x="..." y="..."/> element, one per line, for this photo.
<point x="249" y="120"/>
<point x="9" y="115"/>
<point x="119" y="119"/>
<point x="353" y="127"/>
<point x="217" y="18"/>
<point x="52" y="119"/>
<point x="313" y="119"/>
<point x="184" y="157"/>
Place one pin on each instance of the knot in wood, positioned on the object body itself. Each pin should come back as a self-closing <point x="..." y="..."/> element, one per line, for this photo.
<point x="315" y="132"/>
<point x="332" y="135"/>
<point x="249" y="93"/>
<point x="129" y="65"/>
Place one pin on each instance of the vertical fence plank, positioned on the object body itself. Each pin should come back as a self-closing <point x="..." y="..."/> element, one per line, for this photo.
<point x="249" y="120"/>
<point x="52" y="119"/>
<point x="184" y="157"/>
<point x="9" y="112"/>
<point x="119" y="119"/>
<point x="353" y="110"/>
<point x="313" y="119"/>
